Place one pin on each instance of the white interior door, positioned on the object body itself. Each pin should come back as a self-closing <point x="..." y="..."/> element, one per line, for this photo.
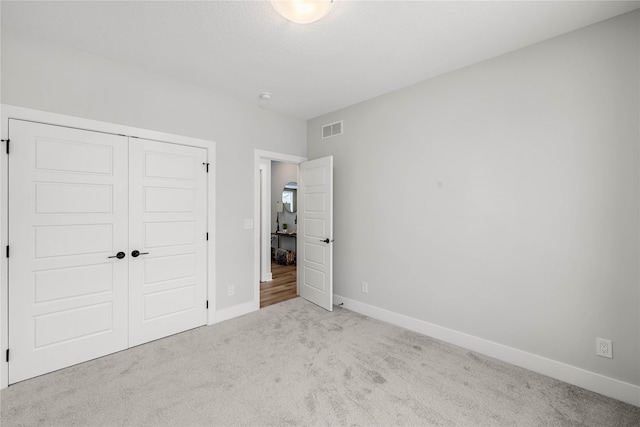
<point x="80" y="204"/>
<point x="167" y="223"/>
<point x="315" y="243"/>
<point x="68" y="218"/>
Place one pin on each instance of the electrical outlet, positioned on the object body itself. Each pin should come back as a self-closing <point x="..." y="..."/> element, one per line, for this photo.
<point x="603" y="348"/>
<point x="231" y="290"/>
<point x="365" y="288"/>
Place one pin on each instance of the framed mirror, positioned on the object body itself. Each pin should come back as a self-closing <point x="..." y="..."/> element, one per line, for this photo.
<point x="290" y="197"/>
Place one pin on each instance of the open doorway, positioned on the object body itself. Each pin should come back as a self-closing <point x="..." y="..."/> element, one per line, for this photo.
<point x="276" y="244"/>
<point x="314" y="225"/>
<point x="282" y="201"/>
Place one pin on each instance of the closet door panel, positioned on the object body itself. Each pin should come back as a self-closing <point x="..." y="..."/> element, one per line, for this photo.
<point x="167" y="223"/>
<point x="67" y="217"/>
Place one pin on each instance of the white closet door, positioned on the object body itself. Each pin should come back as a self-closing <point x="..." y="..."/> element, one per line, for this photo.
<point x="67" y="216"/>
<point x="167" y="223"/>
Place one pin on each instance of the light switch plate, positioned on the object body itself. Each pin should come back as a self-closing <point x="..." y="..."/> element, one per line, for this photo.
<point x="248" y="223"/>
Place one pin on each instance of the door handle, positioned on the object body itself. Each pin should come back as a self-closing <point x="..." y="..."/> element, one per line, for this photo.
<point x="327" y="240"/>
<point x="119" y="255"/>
<point x="136" y="253"/>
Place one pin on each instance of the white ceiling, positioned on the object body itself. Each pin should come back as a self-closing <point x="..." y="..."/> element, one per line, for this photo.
<point x="362" y="49"/>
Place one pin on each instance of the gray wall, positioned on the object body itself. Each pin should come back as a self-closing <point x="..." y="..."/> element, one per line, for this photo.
<point x="281" y="175"/>
<point x="45" y="76"/>
<point x="501" y="200"/>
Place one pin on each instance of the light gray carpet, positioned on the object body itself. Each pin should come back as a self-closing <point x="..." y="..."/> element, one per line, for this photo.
<point x="296" y="364"/>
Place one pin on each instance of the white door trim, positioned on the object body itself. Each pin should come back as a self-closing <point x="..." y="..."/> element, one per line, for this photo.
<point x="20" y="113"/>
<point x="259" y="155"/>
<point x="265" y="221"/>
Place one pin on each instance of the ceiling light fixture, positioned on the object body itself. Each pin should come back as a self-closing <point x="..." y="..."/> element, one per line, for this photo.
<point x="302" y="11"/>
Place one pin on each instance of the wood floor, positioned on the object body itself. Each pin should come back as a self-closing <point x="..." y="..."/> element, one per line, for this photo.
<point x="281" y="288"/>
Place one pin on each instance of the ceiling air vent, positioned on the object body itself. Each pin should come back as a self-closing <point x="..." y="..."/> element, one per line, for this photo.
<point x="332" y="129"/>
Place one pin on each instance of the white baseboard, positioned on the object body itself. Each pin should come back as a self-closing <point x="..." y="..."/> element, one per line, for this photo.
<point x="235" y="311"/>
<point x="607" y="386"/>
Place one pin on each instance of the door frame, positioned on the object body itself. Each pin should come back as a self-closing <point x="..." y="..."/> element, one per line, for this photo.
<point x="265" y="219"/>
<point x="13" y="112"/>
<point x="258" y="157"/>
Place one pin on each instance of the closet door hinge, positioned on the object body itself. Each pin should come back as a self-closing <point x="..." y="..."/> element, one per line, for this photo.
<point x="7" y="141"/>
<point x="207" y="304"/>
<point x="207" y="236"/>
<point x="7" y="251"/>
<point x="7" y="355"/>
<point x="207" y="166"/>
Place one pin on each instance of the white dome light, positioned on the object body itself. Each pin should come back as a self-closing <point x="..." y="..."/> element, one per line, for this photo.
<point x="302" y="11"/>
